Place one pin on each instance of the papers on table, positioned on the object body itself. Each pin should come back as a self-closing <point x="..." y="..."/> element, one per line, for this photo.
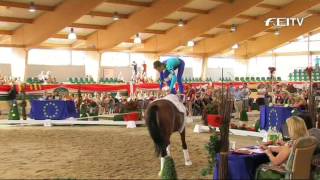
<point x="249" y="151"/>
<point x="273" y="146"/>
<point x="257" y="151"/>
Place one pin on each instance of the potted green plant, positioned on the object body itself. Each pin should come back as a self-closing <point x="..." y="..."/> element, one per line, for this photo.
<point x="212" y="147"/>
<point x="213" y="117"/>
<point x="243" y="117"/>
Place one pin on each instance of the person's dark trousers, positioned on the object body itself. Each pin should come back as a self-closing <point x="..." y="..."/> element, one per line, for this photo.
<point x="179" y="76"/>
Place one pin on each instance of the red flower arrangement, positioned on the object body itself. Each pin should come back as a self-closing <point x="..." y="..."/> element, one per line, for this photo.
<point x="243" y="127"/>
<point x="272" y="70"/>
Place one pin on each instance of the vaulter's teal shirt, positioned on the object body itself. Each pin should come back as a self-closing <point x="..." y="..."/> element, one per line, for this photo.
<point x="171" y="65"/>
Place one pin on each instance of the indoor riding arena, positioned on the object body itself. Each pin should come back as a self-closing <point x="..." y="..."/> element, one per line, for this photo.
<point x="160" y="89"/>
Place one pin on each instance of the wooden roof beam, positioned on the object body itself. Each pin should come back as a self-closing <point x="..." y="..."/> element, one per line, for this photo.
<point x="151" y="31"/>
<point x="65" y="36"/>
<point x="222" y="1"/>
<point x="51" y="8"/>
<point x="88" y="26"/>
<point x="12" y="45"/>
<point x="170" y="21"/>
<point x="5" y="39"/>
<point x="208" y="35"/>
<point x="129" y="3"/>
<point x="314" y="12"/>
<point x="269" y="6"/>
<point x="52" y="22"/>
<point x="270" y="41"/>
<point x="247" y="17"/>
<point x="224" y="26"/>
<point x="192" y="10"/>
<point x="251" y="28"/>
<point x="121" y="31"/>
<point x="148" y="4"/>
<point x="197" y="26"/>
<point x="16" y="20"/>
<point x="107" y="14"/>
<point x="6" y="32"/>
<point x="25" y="5"/>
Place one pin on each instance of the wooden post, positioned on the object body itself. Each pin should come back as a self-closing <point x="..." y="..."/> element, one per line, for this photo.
<point x="23" y="103"/>
<point x="224" y="129"/>
<point x="79" y="99"/>
<point x="311" y="103"/>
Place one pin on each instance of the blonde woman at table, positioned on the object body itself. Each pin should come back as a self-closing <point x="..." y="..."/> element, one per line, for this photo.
<point x="296" y="129"/>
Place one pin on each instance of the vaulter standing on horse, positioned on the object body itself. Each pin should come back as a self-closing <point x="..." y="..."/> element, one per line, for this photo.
<point x="167" y="115"/>
<point x="167" y="73"/>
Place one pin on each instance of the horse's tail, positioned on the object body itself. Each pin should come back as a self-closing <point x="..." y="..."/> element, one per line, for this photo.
<point x="154" y="129"/>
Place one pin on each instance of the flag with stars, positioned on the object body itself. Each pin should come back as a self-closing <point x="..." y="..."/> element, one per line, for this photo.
<point x="55" y="110"/>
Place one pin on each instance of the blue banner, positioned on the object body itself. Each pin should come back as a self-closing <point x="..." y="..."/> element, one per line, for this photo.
<point x="274" y="116"/>
<point x="52" y="109"/>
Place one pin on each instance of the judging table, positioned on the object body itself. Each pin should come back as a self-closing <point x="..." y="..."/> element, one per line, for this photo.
<point x="53" y="109"/>
<point x="241" y="166"/>
<point x="274" y="116"/>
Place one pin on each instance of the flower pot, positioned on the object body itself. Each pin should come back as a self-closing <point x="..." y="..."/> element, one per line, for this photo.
<point x="242" y="123"/>
<point x="214" y="120"/>
<point x="133" y="116"/>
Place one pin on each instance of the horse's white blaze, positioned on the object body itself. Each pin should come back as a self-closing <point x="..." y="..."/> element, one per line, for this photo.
<point x="161" y="165"/>
<point x="187" y="160"/>
<point x="168" y="150"/>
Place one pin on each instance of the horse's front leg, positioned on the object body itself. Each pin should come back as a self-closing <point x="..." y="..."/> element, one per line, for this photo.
<point x="186" y="155"/>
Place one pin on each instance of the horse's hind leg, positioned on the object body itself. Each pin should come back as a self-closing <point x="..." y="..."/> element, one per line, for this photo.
<point x="187" y="160"/>
<point x="168" y="150"/>
<point x="165" y="151"/>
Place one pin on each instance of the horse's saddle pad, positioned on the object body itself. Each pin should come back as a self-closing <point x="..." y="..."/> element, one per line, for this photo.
<point x="175" y="100"/>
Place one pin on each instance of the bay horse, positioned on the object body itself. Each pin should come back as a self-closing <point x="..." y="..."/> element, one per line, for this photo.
<point x="162" y="119"/>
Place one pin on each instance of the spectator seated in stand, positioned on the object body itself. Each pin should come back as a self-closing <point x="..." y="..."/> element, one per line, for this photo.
<point x="300" y="103"/>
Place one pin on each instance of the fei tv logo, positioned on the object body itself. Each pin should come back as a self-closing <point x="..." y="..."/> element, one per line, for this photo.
<point x="284" y="22"/>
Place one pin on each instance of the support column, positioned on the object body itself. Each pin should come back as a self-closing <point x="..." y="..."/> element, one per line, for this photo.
<point x="100" y="72"/>
<point x="204" y="67"/>
<point x="92" y="64"/>
<point x="18" y="64"/>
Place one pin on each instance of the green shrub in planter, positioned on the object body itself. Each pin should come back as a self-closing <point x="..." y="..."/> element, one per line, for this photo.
<point x="118" y="117"/>
<point x="212" y="147"/>
<point x="212" y="108"/>
<point x="243" y="115"/>
<point x="169" y="170"/>
<point x="14" y="111"/>
<point x="257" y="125"/>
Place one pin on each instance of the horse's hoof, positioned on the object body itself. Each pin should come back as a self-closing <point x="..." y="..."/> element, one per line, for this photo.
<point x="188" y="163"/>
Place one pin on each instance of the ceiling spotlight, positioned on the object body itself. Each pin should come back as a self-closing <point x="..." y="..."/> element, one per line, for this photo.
<point x="137" y="39"/>
<point x="115" y="16"/>
<point x="72" y="35"/>
<point x="277" y="32"/>
<point x="235" y="46"/>
<point x="190" y="43"/>
<point x="181" y="23"/>
<point x="233" y="28"/>
<point x="32" y="7"/>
